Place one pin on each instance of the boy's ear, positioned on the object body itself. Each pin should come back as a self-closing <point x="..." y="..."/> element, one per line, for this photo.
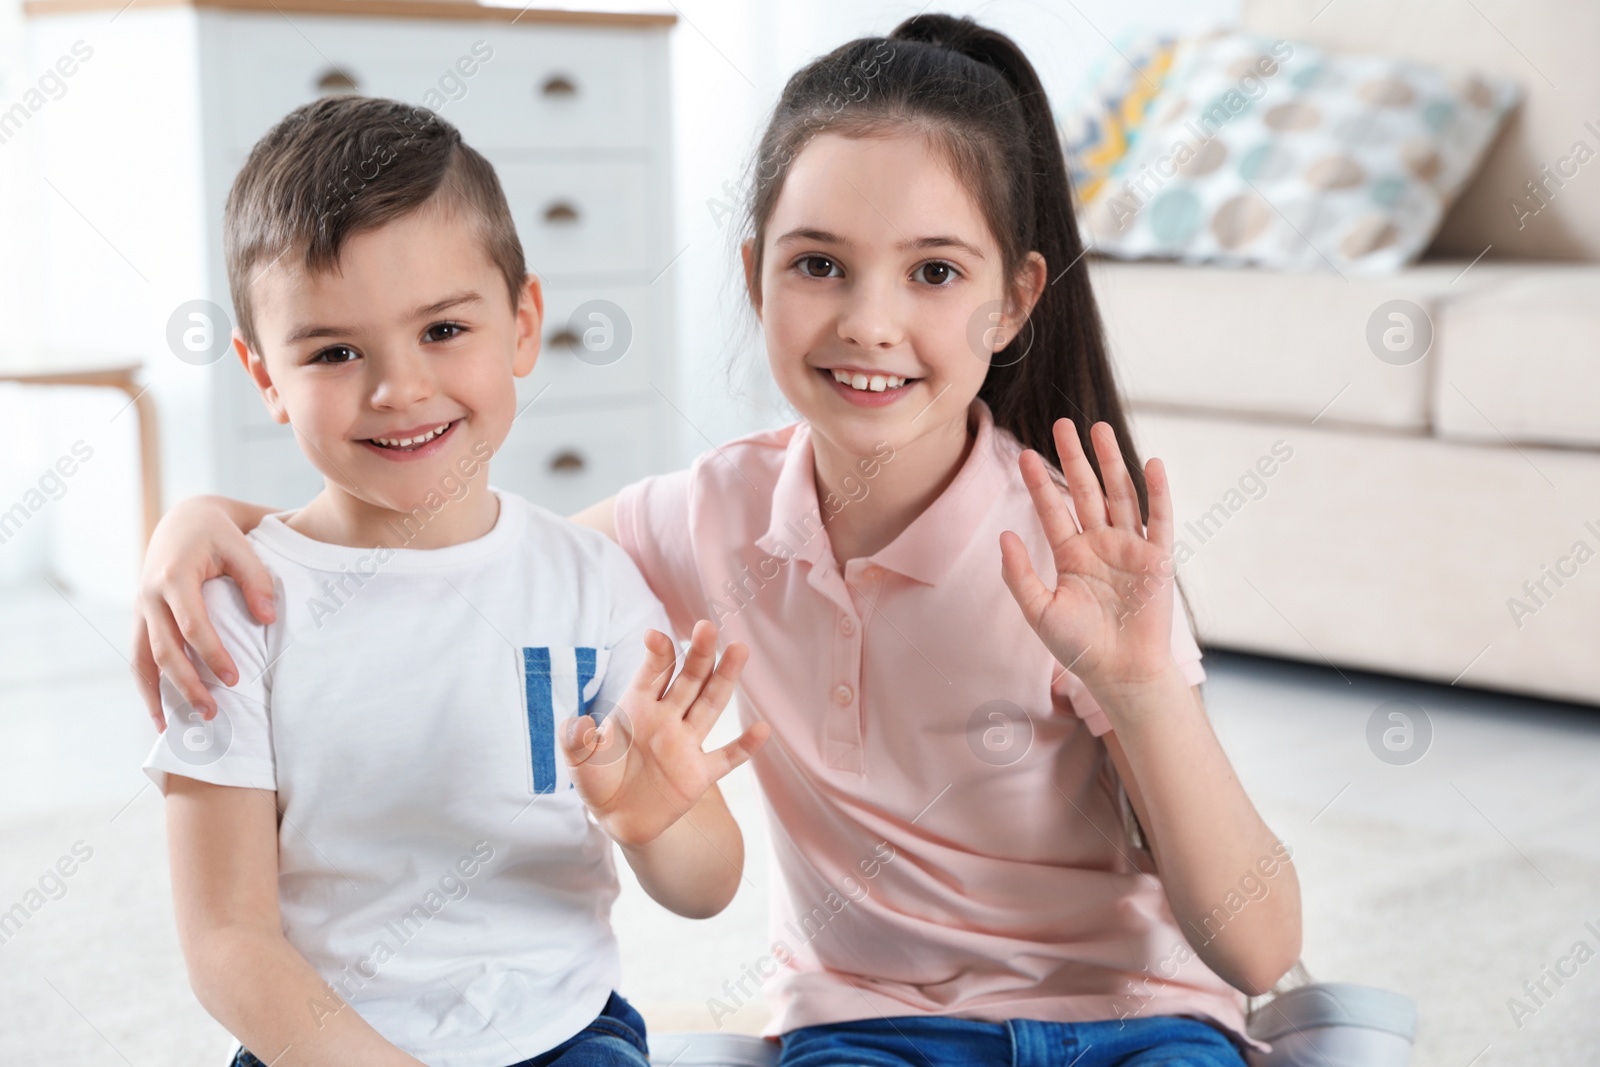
<point x="256" y="367"/>
<point x="530" y="323"/>
<point x="752" y="284"/>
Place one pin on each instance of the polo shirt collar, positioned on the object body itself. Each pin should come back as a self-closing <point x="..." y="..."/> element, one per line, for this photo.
<point x="795" y="528"/>
<point x="927" y="550"/>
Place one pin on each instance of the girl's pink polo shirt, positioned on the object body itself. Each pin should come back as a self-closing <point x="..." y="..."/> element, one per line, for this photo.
<point x="948" y="831"/>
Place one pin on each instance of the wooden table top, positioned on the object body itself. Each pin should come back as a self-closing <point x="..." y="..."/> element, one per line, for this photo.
<point x="114" y="372"/>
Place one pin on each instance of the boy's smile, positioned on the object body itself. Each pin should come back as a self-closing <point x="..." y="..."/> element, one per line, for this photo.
<point x="395" y="371"/>
<point x="407" y="444"/>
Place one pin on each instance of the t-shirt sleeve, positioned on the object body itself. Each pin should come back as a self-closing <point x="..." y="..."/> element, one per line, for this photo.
<point x="634" y="609"/>
<point x="235" y="747"/>
<point x="653" y="529"/>
<point x="1069" y="689"/>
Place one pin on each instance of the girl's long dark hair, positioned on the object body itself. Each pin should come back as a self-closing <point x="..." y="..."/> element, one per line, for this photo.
<point x="973" y="92"/>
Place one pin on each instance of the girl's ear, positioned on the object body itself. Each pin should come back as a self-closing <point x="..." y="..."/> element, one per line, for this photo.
<point x="1026" y="289"/>
<point x="752" y="283"/>
<point x="256" y="367"/>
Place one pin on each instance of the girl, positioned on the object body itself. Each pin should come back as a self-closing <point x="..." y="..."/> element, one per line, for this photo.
<point x="961" y="881"/>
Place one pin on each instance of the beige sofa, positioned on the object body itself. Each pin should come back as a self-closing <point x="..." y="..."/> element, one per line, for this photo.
<point x="1420" y="504"/>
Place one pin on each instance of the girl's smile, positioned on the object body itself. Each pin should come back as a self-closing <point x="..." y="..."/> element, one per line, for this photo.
<point x="868" y="388"/>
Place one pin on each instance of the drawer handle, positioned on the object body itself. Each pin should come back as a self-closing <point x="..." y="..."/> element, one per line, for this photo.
<point x="559" y="86"/>
<point x="567" y="462"/>
<point x="335" y="80"/>
<point x="560" y="213"/>
<point x="565" y="339"/>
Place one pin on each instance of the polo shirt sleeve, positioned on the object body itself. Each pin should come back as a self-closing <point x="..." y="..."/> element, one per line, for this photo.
<point x="235" y="747"/>
<point x="1069" y="689"/>
<point x="653" y="528"/>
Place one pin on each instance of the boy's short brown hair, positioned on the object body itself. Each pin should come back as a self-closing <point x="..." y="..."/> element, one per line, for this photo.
<point x="346" y="164"/>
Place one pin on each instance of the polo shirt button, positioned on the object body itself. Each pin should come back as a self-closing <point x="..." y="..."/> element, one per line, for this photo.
<point x="843" y="694"/>
<point x="847" y="626"/>
<point x="872" y="573"/>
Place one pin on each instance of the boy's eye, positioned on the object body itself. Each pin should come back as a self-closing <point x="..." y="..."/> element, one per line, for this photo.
<point x="934" y="272"/>
<point x="818" y="267"/>
<point x="444" y="331"/>
<point x="335" y="354"/>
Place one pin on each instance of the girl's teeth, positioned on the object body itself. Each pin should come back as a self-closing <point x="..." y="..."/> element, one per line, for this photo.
<point x="875" y="383"/>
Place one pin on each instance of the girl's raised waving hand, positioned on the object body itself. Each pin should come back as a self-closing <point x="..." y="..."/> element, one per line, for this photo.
<point x="1109" y="617"/>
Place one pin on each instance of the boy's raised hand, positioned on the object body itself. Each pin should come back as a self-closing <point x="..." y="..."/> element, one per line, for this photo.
<point x="1109" y="617"/>
<point x="643" y="767"/>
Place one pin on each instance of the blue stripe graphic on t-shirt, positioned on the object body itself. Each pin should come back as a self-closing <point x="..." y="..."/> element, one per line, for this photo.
<point x="586" y="658"/>
<point x="556" y="676"/>
<point x="541" y="717"/>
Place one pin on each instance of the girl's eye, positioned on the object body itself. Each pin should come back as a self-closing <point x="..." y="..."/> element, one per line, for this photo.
<point x="818" y="267"/>
<point x="335" y="355"/>
<point x="935" y="272"/>
<point x="444" y="331"/>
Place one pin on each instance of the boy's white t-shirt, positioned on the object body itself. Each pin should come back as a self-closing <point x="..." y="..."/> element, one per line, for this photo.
<point x="436" y="866"/>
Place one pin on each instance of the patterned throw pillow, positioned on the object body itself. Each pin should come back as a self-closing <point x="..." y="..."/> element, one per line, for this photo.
<point x="1278" y="154"/>
<point x="1099" y="129"/>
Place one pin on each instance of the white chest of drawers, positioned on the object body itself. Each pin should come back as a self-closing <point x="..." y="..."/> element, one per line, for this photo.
<point x="140" y="148"/>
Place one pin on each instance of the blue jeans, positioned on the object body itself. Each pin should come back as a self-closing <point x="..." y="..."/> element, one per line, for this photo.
<point x="940" y="1041"/>
<point x="615" y="1039"/>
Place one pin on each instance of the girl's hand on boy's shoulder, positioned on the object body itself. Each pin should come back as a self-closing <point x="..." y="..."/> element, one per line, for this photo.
<point x="643" y="767"/>
<point x="196" y="541"/>
<point x="1109" y="617"/>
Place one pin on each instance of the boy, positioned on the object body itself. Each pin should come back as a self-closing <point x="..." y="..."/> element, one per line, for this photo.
<point x="378" y="854"/>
